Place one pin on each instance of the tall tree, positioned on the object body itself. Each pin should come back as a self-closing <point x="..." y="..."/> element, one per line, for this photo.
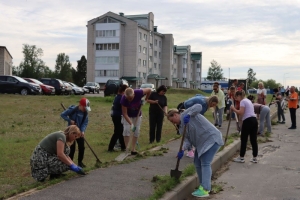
<point x="268" y="84"/>
<point x="79" y="75"/>
<point x="215" y="71"/>
<point x="32" y="66"/>
<point x="251" y="76"/>
<point x="63" y="67"/>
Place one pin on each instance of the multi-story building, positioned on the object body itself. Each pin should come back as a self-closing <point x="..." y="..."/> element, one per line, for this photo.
<point x="5" y="61"/>
<point x="130" y="47"/>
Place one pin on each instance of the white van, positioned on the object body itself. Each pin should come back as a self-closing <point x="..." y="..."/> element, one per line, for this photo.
<point x="148" y="85"/>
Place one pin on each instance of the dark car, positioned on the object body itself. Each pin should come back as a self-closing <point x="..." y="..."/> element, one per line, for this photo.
<point x="56" y="83"/>
<point x="111" y="87"/>
<point x="46" y="89"/>
<point x="15" y="84"/>
<point x="92" y="87"/>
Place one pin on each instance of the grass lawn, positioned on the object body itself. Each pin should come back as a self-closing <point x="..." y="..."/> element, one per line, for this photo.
<point x="25" y="120"/>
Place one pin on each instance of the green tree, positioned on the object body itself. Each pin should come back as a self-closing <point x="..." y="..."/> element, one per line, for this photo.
<point x="63" y="67"/>
<point x="251" y="76"/>
<point x="79" y="75"/>
<point x="32" y="66"/>
<point x="268" y="84"/>
<point x="214" y="71"/>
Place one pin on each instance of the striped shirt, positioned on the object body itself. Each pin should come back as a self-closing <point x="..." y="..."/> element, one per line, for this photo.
<point x="200" y="132"/>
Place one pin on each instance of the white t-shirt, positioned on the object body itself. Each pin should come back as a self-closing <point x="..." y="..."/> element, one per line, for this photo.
<point x="259" y="91"/>
<point x="249" y="108"/>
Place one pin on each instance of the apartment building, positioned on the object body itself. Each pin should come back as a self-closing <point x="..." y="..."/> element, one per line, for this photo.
<point x="5" y="61"/>
<point x="130" y="47"/>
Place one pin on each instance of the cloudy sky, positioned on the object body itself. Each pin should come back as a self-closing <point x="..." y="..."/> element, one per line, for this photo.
<point x="260" y="34"/>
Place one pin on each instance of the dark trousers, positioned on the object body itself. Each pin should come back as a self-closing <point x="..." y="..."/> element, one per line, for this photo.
<point x="250" y="127"/>
<point x="293" y="116"/>
<point x="155" y="122"/>
<point x="280" y="114"/>
<point x="118" y="133"/>
<point x="80" y="142"/>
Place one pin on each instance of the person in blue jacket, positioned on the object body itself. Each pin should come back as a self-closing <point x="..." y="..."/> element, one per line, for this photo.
<point x="78" y="115"/>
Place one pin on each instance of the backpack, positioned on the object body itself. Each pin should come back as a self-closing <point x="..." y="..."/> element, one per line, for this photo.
<point x="75" y="110"/>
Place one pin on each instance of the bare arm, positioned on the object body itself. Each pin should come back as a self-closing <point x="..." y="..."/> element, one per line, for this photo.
<point x="147" y="92"/>
<point x="125" y="115"/>
<point x="241" y="111"/>
<point x="60" y="146"/>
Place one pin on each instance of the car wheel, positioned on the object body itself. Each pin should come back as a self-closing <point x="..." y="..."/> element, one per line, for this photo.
<point x="24" y="91"/>
<point x="42" y="92"/>
<point x="98" y="91"/>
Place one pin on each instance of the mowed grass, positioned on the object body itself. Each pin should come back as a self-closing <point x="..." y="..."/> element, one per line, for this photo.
<point x="25" y="120"/>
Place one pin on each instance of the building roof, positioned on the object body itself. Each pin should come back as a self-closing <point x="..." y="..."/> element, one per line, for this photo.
<point x="180" y="49"/>
<point x="131" y="78"/>
<point x="6" y="50"/>
<point x="157" y="77"/>
<point x="196" y="55"/>
<point x="141" y="16"/>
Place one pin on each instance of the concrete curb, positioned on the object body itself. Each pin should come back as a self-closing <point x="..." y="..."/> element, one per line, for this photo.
<point x="186" y="187"/>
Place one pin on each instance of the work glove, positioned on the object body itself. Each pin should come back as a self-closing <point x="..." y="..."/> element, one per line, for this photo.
<point x="133" y="128"/>
<point x="75" y="168"/>
<point x="186" y="119"/>
<point x="180" y="154"/>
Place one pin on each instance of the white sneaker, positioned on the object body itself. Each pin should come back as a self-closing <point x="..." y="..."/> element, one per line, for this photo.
<point x="239" y="160"/>
<point x="254" y="160"/>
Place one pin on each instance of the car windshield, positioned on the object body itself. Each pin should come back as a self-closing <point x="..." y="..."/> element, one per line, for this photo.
<point x="73" y="84"/>
<point x="20" y="79"/>
<point x="89" y="84"/>
<point x="146" y="86"/>
<point x="36" y="81"/>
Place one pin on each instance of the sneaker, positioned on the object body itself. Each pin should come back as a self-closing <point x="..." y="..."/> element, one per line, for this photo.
<point x="190" y="154"/>
<point x="216" y="124"/>
<point x="292" y="127"/>
<point x="200" y="192"/>
<point x="220" y="126"/>
<point x="239" y="160"/>
<point x="80" y="164"/>
<point x="254" y="160"/>
<point x="283" y="122"/>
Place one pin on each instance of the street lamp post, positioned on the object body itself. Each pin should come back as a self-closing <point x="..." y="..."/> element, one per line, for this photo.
<point x="284" y="78"/>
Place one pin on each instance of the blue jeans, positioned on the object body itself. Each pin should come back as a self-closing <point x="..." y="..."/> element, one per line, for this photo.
<point x="203" y="166"/>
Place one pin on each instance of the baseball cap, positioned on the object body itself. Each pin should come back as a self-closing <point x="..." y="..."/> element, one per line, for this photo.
<point x="85" y="103"/>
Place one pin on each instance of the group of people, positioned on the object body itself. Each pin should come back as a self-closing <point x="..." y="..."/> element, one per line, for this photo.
<point x="54" y="154"/>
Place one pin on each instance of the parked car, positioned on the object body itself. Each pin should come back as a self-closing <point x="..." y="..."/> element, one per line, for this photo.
<point x="252" y="91"/>
<point x="148" y="85"/>
<point x="111" y="86"/>
<point x="68" y="88"/>
<point x="56" y="83"/>
<point x="92" y="87"/>
<point x="76" y="89"/>
<point x="46" y="89"/>
<point x="15" y="84"/>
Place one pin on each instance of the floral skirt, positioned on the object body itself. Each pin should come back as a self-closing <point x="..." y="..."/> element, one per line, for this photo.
<point x="43" y="163"/>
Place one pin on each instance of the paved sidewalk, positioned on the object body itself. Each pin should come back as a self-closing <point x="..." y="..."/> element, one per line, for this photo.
<point x="276" y="176"/>
<point x="126" y="181"/>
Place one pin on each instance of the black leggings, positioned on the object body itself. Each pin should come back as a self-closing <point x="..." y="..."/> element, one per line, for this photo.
<point x="250" y="127"/>
<point x="80" y="142"/>
<point x="118" y="134"/>
<point x="156" y="122"/>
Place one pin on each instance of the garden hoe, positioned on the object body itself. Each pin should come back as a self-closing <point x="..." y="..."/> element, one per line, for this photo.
<point x="176" y="173"/>
<point x="226" y="136"/>
<point x="124" y="155"/>
<point x="98" y="162"/>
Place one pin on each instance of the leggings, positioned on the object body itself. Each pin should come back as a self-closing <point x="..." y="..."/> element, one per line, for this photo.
<point x="249" y="127"/>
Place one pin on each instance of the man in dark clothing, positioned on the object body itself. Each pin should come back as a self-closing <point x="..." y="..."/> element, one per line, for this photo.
<point x="78" y="115"/>
<point x="157" y="110"/>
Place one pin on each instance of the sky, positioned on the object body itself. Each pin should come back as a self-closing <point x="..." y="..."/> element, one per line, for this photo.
<point x="260" y="34"/>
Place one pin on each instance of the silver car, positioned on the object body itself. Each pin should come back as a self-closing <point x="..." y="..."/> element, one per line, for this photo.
<point x="76" y="89"/>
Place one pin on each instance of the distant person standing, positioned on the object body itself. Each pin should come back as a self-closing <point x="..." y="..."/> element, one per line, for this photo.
<point x="287" y="91"/>
<point x="78" y="115"/>
<point x="282" y="91"/>
<point x="157" y="101"/>
<point x="219" y="111"/>
<point x="293" y="105"/>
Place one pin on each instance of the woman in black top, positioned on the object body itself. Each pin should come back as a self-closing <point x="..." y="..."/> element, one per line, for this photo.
<point x="158" y="108"/>
<point x="116" y="115"/>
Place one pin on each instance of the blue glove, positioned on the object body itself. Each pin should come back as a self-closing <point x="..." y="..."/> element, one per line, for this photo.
<point x="133" y="128"/>
<point x="186" y="119"/>
<point x="180" y="154"/>
<point x="75" y="168"/>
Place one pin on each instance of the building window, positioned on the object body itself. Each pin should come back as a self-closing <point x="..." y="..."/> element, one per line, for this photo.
<point x="107" y="60"/>
<point x="150" y="70"/>
<point x="174" y="60"/>
<point x="183" y="70"/>
<point x="150" y="46"/>
<point x="140" y="48"/>
<point x="160" y="44"/>
<point x="144" y="62"/>
<point x="140" y="34"/>
<point x="144" y="50"/>
<point x="155" y="53"/>
<point x="144" y="75"/>
<point x="150" y="33"/>
<point x="139" y="74"/>
<point x="139" y="62"/>
<point x="106" y="33"/>
<point x="198" y="66"/>
<point x="158" y="66"/>
<point x="145" y="37"/>
<point x="150" y="58"/>
<point x="159" y="55"/>
<point x="155" y="42"/>
<point x="110" y="73"/>
<point x="155" y="65"/>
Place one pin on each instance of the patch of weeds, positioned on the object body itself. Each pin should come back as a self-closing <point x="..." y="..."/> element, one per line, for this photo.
<point x="20" y="123"/>
<point x="268" y="134"/>
<point x="216" y="188"/>
<point x="273" y="123"/>
<point x="3" y="131"/>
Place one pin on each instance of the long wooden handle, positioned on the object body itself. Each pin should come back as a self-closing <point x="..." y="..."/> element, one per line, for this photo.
<point x="166" y="114"/>
<point x="230" y="112"/>
<point x="180" y="148"/>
